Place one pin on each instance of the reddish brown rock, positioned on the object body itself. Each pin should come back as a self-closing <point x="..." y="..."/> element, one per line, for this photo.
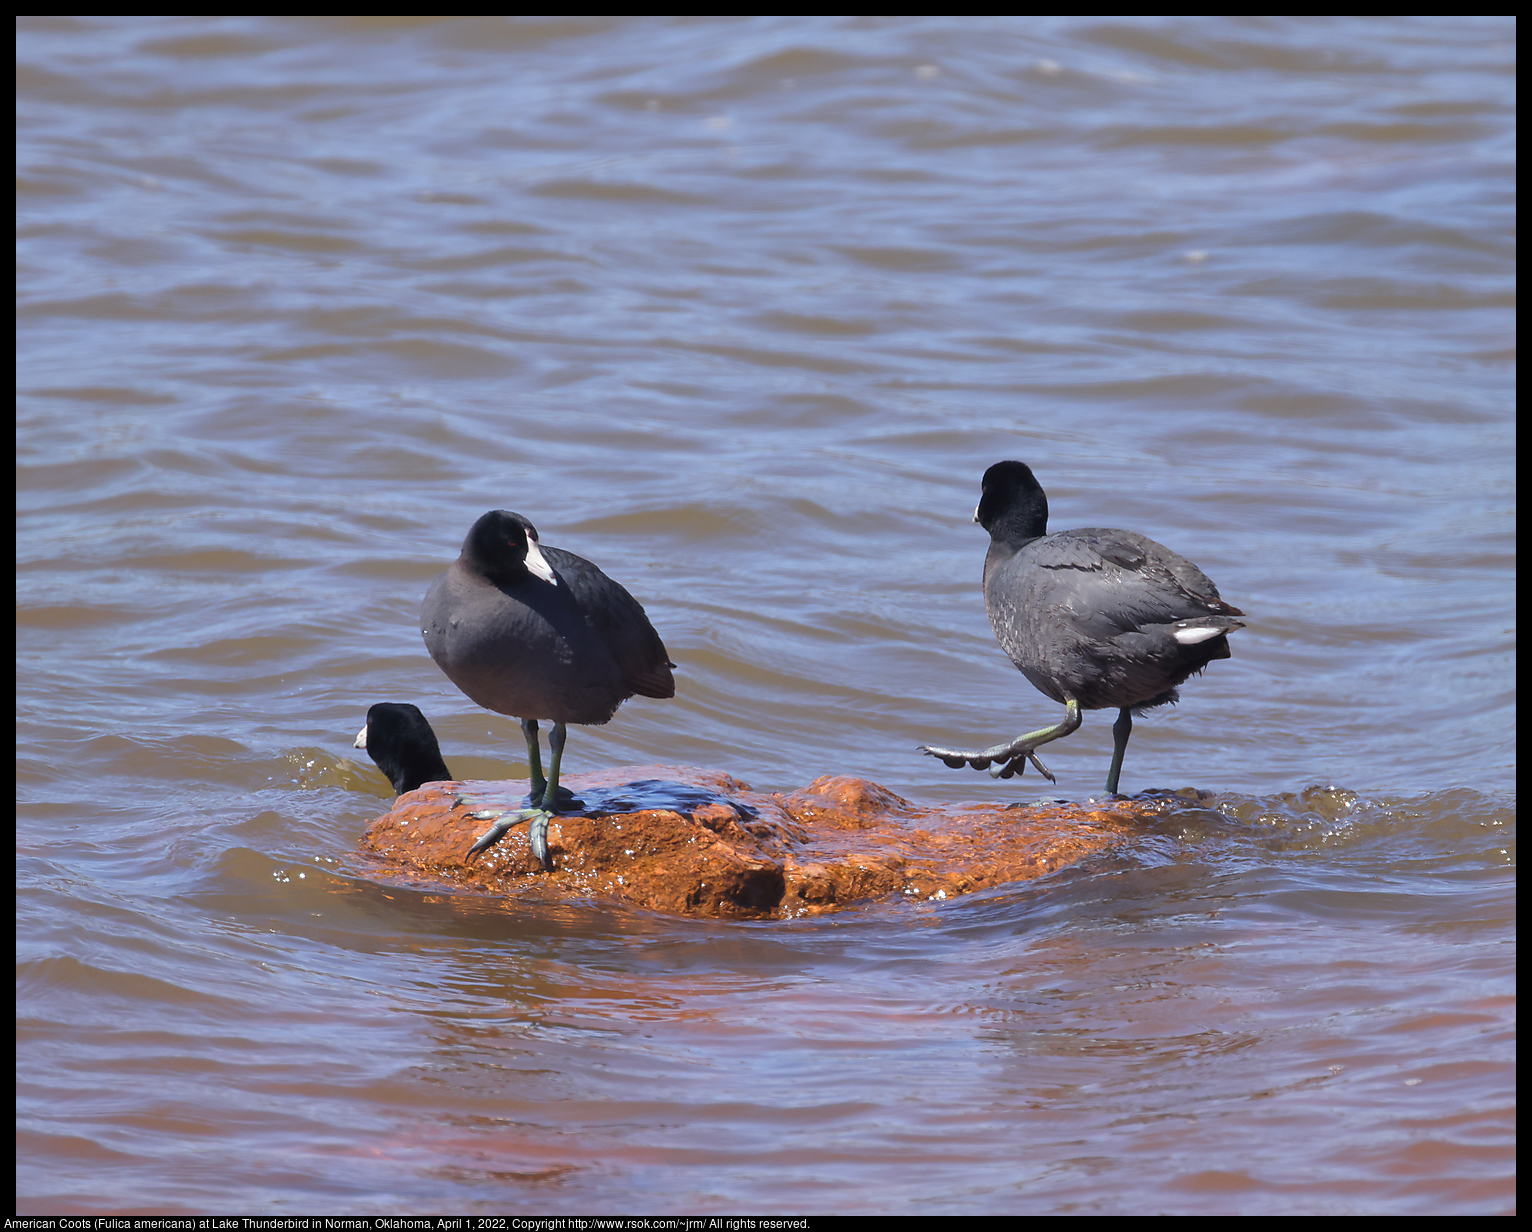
<point x="693" y="842"/>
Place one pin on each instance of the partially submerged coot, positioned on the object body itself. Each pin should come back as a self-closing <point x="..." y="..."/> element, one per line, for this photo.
<point x="402" y="745"/>
<point x="1094" y="618"/>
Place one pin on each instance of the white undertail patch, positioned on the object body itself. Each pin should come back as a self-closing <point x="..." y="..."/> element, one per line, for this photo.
<point x="1190" y="637"/>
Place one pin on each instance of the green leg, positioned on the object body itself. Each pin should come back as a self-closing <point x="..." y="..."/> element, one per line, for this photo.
<point x="1012" y="758"/>
<point x="1033" y="740"/>
<point x="1121" y="730"/>
<point x="534" y="757"/>
<point x="541" y="799"/>
<point x="546" y="792"/>
<point x="542" y="811"/>
<point x="556" y="739"/>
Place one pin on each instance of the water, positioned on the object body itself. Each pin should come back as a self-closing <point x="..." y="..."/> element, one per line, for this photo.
<point x="741" y="309"/>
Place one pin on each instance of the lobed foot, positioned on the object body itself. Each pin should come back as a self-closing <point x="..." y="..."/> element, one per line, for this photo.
<point x="1003" y="761"/>
<point x="506" y="820"/>
<point x="1017" y="764"/>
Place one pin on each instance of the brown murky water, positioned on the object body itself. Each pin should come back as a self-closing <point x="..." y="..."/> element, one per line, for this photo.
<point x="741" y="310"/>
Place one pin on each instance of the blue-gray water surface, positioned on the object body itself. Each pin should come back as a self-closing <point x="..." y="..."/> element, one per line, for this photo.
<point x="741" y="309"/>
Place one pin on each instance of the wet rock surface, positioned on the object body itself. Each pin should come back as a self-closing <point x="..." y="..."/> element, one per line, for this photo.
<point x="694" y="842"/>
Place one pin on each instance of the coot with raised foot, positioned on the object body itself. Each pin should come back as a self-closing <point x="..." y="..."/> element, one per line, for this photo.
<point x="539" y="633"/>
<point x="1094" y="618"/>
<point x="403" y="746"/>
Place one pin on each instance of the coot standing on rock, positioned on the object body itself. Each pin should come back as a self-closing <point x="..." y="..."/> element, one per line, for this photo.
<point x="539" y="633"/>
<point x="1093" y="618"/>
<point x="403" y="746"/>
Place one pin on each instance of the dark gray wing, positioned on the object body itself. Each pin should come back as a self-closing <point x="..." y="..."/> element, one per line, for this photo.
<point x="619" y="620"/>
<point x="1112" y="581"/>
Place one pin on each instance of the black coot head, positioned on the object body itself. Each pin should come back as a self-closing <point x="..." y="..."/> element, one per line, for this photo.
<point x="1013" y="506"/>
<point x="401" y="744"/>
<point x="502" y="546"/>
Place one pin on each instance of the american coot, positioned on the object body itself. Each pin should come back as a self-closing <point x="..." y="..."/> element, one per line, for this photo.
<point x="403" y="746"/>
<point x="1093" y="618"/>
<point x="539" y="633"/>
